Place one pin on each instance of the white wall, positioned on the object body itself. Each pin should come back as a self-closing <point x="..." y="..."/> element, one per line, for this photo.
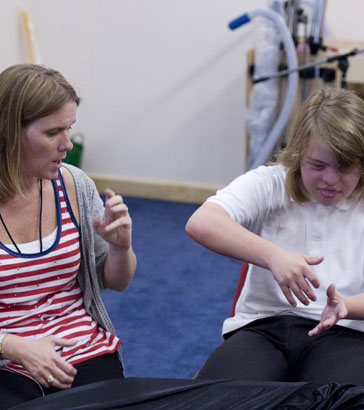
<point x="344" y="19"/>
<point x="162" y="81"/>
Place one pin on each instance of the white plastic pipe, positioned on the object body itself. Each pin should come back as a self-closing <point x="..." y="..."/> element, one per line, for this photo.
<point x="292" y="79"/>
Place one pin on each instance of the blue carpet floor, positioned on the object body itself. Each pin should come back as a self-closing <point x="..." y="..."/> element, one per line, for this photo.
<point x="170" y="316"/>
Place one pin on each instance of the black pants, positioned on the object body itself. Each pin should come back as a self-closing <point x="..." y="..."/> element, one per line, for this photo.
<point x="16" y="389"/>
<point x="279" y="349"/>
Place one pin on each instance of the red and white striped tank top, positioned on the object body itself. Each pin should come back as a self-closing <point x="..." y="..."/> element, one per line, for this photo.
<point x="40" y="295"/>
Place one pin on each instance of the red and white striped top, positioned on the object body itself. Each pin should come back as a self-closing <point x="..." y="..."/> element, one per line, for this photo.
<point x="40" y="295"/>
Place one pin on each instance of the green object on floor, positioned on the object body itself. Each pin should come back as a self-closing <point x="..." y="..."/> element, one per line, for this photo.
<point x="75" y="155"/>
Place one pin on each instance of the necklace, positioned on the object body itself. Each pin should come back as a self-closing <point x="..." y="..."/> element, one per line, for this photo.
<point x="40" y="221"/>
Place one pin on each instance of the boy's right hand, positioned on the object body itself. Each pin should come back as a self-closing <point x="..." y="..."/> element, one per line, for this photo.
<point x="293" y="274"/>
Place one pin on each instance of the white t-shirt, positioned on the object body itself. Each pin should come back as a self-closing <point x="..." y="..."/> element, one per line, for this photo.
<point x="258" y="201"/>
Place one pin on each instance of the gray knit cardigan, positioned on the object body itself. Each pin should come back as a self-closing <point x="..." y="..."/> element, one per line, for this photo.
<point x="94" y="249"/>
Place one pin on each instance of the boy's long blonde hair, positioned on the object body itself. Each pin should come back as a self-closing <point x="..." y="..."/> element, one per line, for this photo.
<point x="336" y="117"/>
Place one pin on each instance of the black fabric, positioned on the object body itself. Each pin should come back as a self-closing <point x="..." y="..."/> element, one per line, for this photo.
<point x="168" y="394"/>
<point x="279" y="349"/>
<point x="16" y="389"/>
<point x="100" y="368"/>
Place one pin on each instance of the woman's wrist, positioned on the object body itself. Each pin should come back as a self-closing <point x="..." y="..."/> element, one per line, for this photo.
<point x="12" y="347"/>
<point x="2" y="338"/>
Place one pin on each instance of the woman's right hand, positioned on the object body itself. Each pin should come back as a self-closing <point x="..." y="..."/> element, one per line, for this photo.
<point x="40" y="359"/>
<point x="294" y="275"/>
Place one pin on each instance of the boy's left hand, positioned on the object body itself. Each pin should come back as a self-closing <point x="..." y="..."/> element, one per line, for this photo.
<point x="334" y="310"/>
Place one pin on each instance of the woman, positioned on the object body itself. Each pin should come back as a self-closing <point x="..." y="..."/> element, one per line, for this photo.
<point x="300" y="225"/>
<point x="59" y="247"/>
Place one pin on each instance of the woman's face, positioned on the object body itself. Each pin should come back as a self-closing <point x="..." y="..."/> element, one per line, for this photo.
<point x="45" y="143"/>
<point x="322" y="178"/>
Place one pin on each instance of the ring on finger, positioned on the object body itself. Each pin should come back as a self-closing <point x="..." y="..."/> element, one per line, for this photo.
<point x="50" y="379"/>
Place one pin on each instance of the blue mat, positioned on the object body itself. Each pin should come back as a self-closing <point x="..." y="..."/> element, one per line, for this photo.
<point x="170" y="316"/>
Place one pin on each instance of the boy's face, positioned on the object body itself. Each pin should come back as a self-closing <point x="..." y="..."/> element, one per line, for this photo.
<point x="322" y="178"/>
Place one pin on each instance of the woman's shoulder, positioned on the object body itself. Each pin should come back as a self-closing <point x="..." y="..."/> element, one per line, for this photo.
<point x="76" y="176"/>
<point x="71" y="170"/>
<point x="84" y="186"/>
<point x="88" y="196"/>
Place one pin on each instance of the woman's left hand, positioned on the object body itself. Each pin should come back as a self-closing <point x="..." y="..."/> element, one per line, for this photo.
<point x="334" y="310"/>
<point x="116" y="226"/>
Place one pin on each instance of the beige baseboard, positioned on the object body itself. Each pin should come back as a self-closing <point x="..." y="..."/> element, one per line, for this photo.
<point x="169" y="191"/>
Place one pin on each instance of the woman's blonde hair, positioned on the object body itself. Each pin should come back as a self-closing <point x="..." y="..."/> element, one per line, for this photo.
<point x="336" y="117"/>
<point x="27" y="92"/>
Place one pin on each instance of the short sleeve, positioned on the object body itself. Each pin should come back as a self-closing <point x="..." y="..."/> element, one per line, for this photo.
<point x="250" y="198"/>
